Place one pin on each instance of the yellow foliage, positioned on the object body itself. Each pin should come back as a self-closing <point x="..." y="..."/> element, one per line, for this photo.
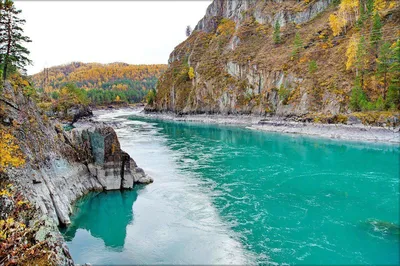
<point x="349" y="6"/>
<point x="351" y="53"/>
<point x="117" y="99"/>
<point x="379" y="5"/>
<point x="226" y="27"/>
<point x="10" y="154"/>
<point x="336" y="23"/>
<point x="191" y="73"/>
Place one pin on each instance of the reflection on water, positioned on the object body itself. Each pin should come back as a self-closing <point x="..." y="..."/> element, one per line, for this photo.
<point x="105" y="216"/>
<point x="226" y="195"/>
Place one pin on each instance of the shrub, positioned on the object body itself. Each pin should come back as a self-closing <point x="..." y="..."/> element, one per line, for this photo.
<point x="284" y="94"/>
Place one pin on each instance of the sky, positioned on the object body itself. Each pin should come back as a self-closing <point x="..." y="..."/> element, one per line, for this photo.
<point x="135" y="32"/>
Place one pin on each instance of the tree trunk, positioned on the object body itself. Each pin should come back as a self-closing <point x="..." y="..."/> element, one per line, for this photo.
<point x="8" y="46"/>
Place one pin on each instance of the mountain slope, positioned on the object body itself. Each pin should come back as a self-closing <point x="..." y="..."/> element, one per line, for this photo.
<point x="132" y="81"/>
<point x="230" y="64"/>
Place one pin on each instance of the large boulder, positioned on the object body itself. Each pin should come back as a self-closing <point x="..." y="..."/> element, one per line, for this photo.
<point x="112" y="167"/>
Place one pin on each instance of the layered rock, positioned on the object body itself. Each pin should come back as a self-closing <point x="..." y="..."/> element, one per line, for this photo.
<point x="240" y="70"/>
<point x="61" y="166"/>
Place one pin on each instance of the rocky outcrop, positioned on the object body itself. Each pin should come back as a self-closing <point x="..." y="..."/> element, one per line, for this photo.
<point x="240" y="69"/>
<point x="96" y="162"/>
<point x="62" y="166"/>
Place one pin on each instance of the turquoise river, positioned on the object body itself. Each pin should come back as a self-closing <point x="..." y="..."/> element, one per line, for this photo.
<point x="230" y="195"/>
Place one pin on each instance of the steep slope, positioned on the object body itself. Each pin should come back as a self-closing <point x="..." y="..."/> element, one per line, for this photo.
<point x="231" y="65"/>
<point x="43" y="170"/>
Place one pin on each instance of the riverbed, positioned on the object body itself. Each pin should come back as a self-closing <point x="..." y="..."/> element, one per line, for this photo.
<point x="229" y="195"/>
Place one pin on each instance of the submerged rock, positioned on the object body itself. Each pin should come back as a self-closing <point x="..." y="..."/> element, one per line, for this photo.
<point x="382" y="227"/>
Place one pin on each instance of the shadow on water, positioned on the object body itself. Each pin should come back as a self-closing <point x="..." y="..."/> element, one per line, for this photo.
<point x="112" y="209"/>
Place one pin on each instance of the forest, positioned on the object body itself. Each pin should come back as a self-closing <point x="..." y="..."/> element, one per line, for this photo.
<point x="102" y="83"/>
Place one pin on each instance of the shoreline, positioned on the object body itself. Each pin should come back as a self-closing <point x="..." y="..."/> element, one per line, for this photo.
<point x="357" y="132"/>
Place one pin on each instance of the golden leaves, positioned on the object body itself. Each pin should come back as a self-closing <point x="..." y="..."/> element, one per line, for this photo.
<point x="10" y="154"/>
<point x="191" y="73"/>
<point x="336" y="23"/>
<point x="351" y="53"/>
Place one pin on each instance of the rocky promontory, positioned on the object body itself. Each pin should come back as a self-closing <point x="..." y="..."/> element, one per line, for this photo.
<point x="59" y="166"/>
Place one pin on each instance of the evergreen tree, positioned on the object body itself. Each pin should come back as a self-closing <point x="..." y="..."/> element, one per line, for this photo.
<point x="376" y="34"/>
<point x="393" y="94"/>
<point x="12" y="52"/>
<point x="298" y="46"/>
<point x="188" y="31"/>
<point x="384" y="61"/>
<point x="277" y="32"/>
<point x="370" y="7"/>
<point x="361" y="60"/>
<point x="362" y="17"/>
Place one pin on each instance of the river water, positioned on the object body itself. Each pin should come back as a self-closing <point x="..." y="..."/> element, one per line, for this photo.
<point x="228" y="195"/>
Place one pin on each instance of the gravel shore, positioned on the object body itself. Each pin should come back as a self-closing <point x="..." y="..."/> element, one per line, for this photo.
<point x="355" y="132"/>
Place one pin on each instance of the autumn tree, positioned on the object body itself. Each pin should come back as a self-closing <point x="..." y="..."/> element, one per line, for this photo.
<point x="336" y="24"/>
<point x="191" y="73"/>
<point x="10" y="154"/>
<point x="277" y="32"/>
<point x="13" y="55"/>
<point x="151" y="97"/>
<point x="351" y="53"/>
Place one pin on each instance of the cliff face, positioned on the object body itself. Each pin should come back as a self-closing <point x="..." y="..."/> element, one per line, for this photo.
<point x="238" y="69"/>
<point x="61" y="166"/>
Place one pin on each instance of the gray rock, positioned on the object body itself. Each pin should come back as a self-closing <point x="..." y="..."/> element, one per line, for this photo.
<point x="352" y="120"/>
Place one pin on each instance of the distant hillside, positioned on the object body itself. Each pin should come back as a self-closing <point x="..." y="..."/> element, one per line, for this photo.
<point x="102" y="81"/>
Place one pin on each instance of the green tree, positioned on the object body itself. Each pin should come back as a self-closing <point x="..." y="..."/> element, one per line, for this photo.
<point x="358" y="99"/>
<point x="297" y="46"/>
<point x="151" y="97"/>
<point x="312" y="67"/>
<point x="384" y="62"/>
<point x="376" y="32"/>
<point x="361" y="61"/>
<point x="277" y="32"/>
<point x="362" y="16"/>
<point x="13" y="55"/>
<point x="370" y="7"/>
<point x="393" y="94"/>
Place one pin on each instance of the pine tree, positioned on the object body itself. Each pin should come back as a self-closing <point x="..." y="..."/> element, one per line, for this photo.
<point x="393" y="94"/>
<point x="188" y="31"/>
<point x="298" y="46"/>
<point x="13" y="54"/>
<point x="362" y="16"/>
<point x="361" y="60"/>
<point x="370" y="7"/>
<point x="277" y="32"/>
<point x="384" y="62"/>
<point x="376" y="34"/>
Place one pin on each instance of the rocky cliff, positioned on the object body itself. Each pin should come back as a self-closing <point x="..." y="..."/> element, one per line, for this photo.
<point x="231" y="64"/>
<point x="60" y="166"/>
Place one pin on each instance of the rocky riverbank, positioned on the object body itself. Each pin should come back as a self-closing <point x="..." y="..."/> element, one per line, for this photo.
<point x="57" y="167"/>
<point x="353" y="130"/>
